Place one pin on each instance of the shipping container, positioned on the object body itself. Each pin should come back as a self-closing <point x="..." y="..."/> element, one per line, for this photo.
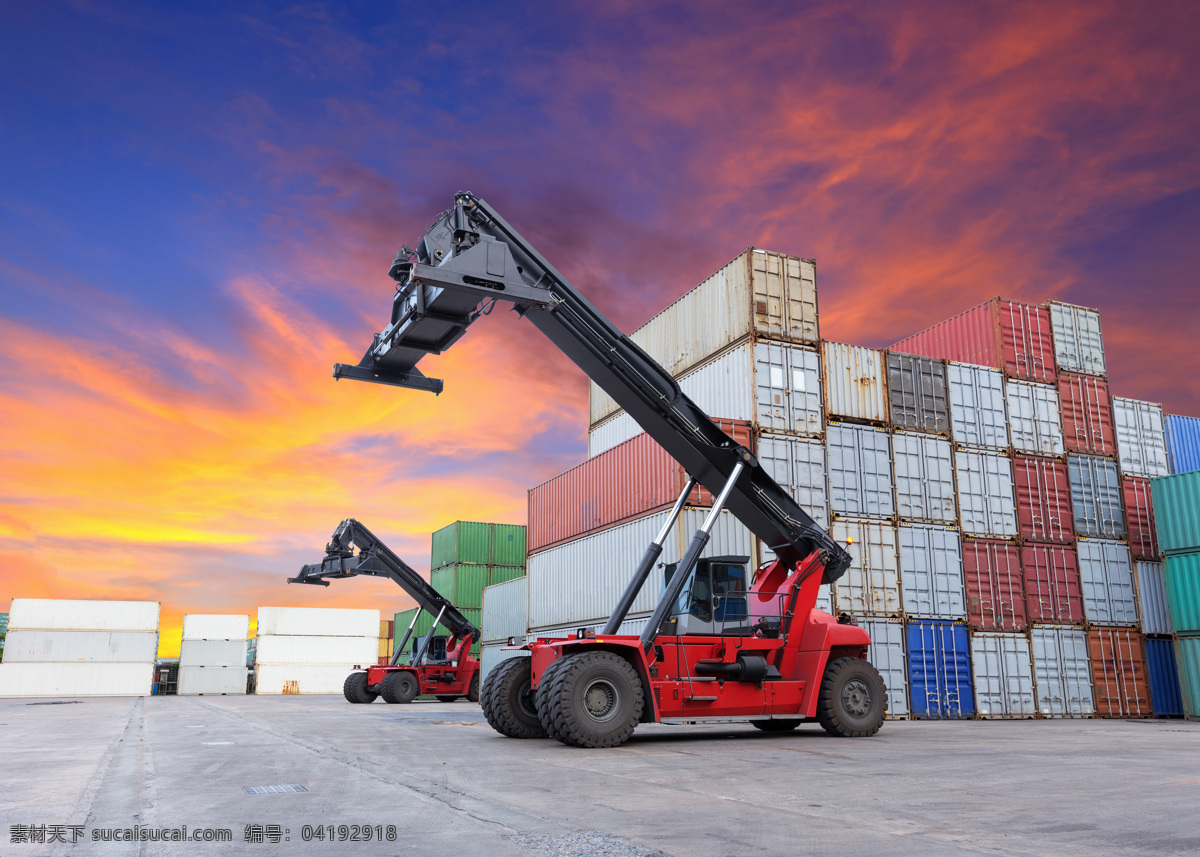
<point x="478" y="543"/>
<point x="317" y="622"/>
<point x="504" y="573"/>
<point x="212" y="681"/>
<point x="213" y="653"/>
<point x="385" y="628"/>
<point x="1086" y="415"/>
<point x="855" y="385"/>
<point x="72" y="680"/>
<point x="978" y="411"/>
<point x="924" y="468"/>
<point x="1187" y="661"/>
<point x="317" y="650"/>
<point x="1163" y="675"/>
<point x="1119" y="673"/>
<point x="1176" y="502"/>
<point x="1182" y="574"/>
<point x="860" y="471"/>
<point x="887" y="655"/>
<point x="271" y="679"/>
<point x="1034" y="418"/>
<point x="1183" y="443"/>
<point x="1141" y="438"/>
<point x="1053" y="590"/>
<point x="215" y="626"/>
<point x="798" y="465"/>
<point x="917" y="396"/>
<point x="114" y="647"/>
<point x="1062" y="671"/>
<point x="939" y="670"/>
<point x="1006" y="335"/>
<point x="986" y="501"/>
<point x="1078" y="342"/>
<point x="1106" y="575"/>
<point x="994" y="586"/>
<point x="505" y="611"/>
<point x="1152" y="598"/>
<point x="47" y="614"/>
<point x="758" y="294"/>
<point x="1139" y="515"/>
<point x="1043" y="492"/>
<point x="492" y="654"/>
<point x="462" y="584"/>
<point x="931" y="572"/>
<point x="1096" y="497"/>
<point x="871" y="586"/>
<point x="1002" y="672"/>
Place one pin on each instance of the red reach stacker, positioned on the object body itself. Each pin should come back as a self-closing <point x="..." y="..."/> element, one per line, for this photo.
<point x="440" y="666"/>
<point x="722" y="644"/>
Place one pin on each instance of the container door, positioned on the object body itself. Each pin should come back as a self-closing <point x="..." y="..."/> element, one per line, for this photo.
<point x="987" y="665"/>
<point x="1076" y="673"/>
<point x="978" y="413"/>
<point x="1019" y="694"/>
<point x="1048" y="672"/>
<point x="871" y="585"/>
<point x="887" y="655"/>
<point x="773" y="405"/>
<point x="804" y="389"/>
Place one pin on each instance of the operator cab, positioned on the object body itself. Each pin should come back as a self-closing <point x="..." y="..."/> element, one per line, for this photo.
<point x="436" y="653"/>
<point x="714" y="602"/>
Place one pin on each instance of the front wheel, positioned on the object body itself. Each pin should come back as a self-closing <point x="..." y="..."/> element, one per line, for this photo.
<point x="355" y="689"/>
<point x="596" y="700"/>
<point x="853" y="700"/>
<point x="399" y="687"/>
<point x="508" y="700"/>
<point x="473" y="690"/>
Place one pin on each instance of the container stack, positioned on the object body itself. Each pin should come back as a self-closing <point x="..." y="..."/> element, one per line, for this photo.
<point x="312" y="649"/>
<point x="212" y="656"/>
<point x="386" y="640"/>
<point x="3" y="632"/>
<point x="504" y="616"/>
<point x="1177" y="503"/>
<point x="79" y="648"/>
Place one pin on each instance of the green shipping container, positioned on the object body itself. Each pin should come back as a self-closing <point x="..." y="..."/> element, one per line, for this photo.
<point x="1187" y="655"/>
<point x="504" y="573"/>
<point x="474" y="616"/>
<point x="1182" y="575"/>
<point x="508" y="545"/>
<point x="1176" y="502"/>
<point x="462" y="584"/>
<point x="478" y="544"/>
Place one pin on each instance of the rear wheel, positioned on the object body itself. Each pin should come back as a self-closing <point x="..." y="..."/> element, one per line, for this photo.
<point x="508" y="700"/>
<point x="473" y="690"/>
<point x="355" y="689"/>
<point x="853" y="700"/>
<point x="400" y="687"/>
<point x="596" y="700"/>
<point x="775" y="725"/>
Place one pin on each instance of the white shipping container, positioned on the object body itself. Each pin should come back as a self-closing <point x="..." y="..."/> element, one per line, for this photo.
<point x="1078" y="343"/>
<point x="75" y="679"/>
<point x="216" y="626"/>
<point x="759" y="293"/>
<point x="505" y="611"/>
<point x="931" y="572"/>
<point x="1141" y="437"/>
<point x="213" y="653"/>
<point x="318" y="650"/>
<point x="985" y="494"/>
<point x="212" y="681"/>
<point x="798" y="465"/>
<point x="860" y="471"/>
<point x="270" y="679"/>
<point x="887" y="655"/>
<point x="1106" y="575"/>
<point x="317" y="622"/>
<point x="1152" y="598"/>
<point x="113" y="647"/>
<point x="854" y="382"/>
<point x="871" y="586"/>
<point x="1034" y="418"/>
<point x="1062" y="671"/>
<point x="924" y="478"/>
<point x="978" y="412"/>
<point x="1002" y="667"/>
<point x="51" y="614"/>
<point x="491" y="654"/>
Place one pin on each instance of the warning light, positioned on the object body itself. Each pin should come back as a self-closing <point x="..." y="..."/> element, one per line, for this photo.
<point x="849" y="540"/>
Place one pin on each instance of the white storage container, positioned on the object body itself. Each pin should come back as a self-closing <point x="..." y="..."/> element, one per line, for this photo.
<point x="1034" y="418"/>
<point x="1152" y="598"/>
<point x="216" y="626"/>
<point x="860" y="471"/>
<point x="1106" y="574"/>
<point x="113" y="647"/>
<point x="1062" y="671"/>
<point x="318" y="650"/>
<point x="1141" y="437"/>
<point x="212" y="681"/>
<point x="491" y="654"/>
<point x="270" y="679"/>
<point x="985" y="494"/>
<point x="871" y="586"/>
<point x="798" y="465"/>
<point x="854" y="382"/>
<point x="75" y="679"/>
<point x="978" y="413"/>
<point x="924" y="467"/>
<point x="887" y="655"/>
<point x="213" y="653"/>
<point x="1078" y="343"/>
<point x="46" y="614"/>
<point x="505" y="611"/>
<point x="1002" y="667"/>
<point x="317" y="622"/>
<point x="931" y="572"/>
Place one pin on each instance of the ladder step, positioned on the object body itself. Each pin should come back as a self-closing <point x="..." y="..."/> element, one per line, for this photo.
<point x="699" y="699"/>
<point x="698" y="678"/>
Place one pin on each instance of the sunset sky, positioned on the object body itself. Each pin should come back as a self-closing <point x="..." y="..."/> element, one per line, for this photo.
<point x="199" y="203"/>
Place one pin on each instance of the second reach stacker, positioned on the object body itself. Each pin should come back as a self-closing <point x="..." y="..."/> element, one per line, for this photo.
<point x="720" y="645"/>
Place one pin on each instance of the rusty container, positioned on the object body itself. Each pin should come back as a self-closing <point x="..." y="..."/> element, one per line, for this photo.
<point x="1043" y="491"/>
<point x="1139" y="512"/>
<point x="995" y="589"/>
<point x="1087" y="414"/>
<point x="1119" y="673"/>
<point x="1053" y="589"/>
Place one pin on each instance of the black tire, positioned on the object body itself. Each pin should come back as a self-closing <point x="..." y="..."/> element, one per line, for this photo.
<point x="596" y="700"/>
<point x="853" y="700"/>
<point x="400" y="687"/>
<point x="508" y="700"/>
<point x="545" y="690"/>
<point x="775" y="725"/>
<point x="447" y="698"/>
<point x="355" y="689"/>
<point x="473" y="690"/>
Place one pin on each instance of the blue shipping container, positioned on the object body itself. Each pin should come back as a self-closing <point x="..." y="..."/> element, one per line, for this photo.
<point x="1164" y="677"/>
<point x="1183" y="443"/>
<point x="939" y="670"/>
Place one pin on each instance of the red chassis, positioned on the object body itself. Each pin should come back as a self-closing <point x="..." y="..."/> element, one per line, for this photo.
<point x="449" y="678"/>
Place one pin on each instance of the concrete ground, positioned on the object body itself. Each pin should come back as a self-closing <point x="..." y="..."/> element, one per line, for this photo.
<point x="450" y="785"/>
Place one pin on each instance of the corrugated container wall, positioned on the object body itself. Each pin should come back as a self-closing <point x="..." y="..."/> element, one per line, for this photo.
<point x="1177" y="512"/>
<point x="505" y="611"/>
<point x="855" y="386"/>
<point x="887" y="655"/>
<point x="48" y="614"/>
<point x="917" y="394"/>
<point x="270" y="679"/>
<point x="871" y="586"/>
<point x="1002" y="669"/>
<point x="1141" y="438"/>
<point x="1096" y="497"/>
<point x="1182" y="572"/>
<point x="317" y="650"/>
<point x="1034" y="420"/>
<point x="986" y="501"/>
<point x="1152" y="598"/>
<point x="213" y="653"/>
<point x="799" y="466"/>
<point x="461" y="583"/>
<point x="1053" y="590"/>
<point x="215" y="626"/>
<point x="924" y="478"/>
<point x="931" y="572"/>
<point x="1086" y="415"/>
<point x="72" y="680"/>
<point x="1119" y="673"/>
<point x="212" y="681"/>
<point x="317" y="621"/>
<point x="994" y="587"/>
<point x="1183" y="443"/>
<point x="978" y="412"/>
<point x="478" y="544"/>
<point x="1078" y="342"/>
<point x="1163" y="675"/>
<point x="1062" y="671"/>
<point x="757" y="294"/>
<point x="1043" y="492"/>
<point x="1106" y="575"/>
<point x="1187" y="660"/>
<point x="939" y="670"/>
<point x="1139" y="513"/>
<point x="860" y="471"/>
<point x="114" y="647"/>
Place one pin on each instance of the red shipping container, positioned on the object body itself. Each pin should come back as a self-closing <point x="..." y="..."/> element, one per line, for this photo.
<point x="995" y="595"/>
<point x="1043" y="492"/>
<point x="1053" y="590"/>
<point x="1086" y="414"/>
<point x="1119" y="673"/>
<point x="626" y="482"/>
<point x="1139" y="511"/>
<point x="1003" y="334"/>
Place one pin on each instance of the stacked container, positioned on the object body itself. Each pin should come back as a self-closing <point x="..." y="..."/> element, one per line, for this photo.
<point x="312" y="649"/>
<point x="79" y="648"/>
<point x="212" y="656"/>
<point x="469" y="555"/>
<point x="505" y="617"/>
<point x="386" y="640"/>
<point x="1177" y="523"/>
